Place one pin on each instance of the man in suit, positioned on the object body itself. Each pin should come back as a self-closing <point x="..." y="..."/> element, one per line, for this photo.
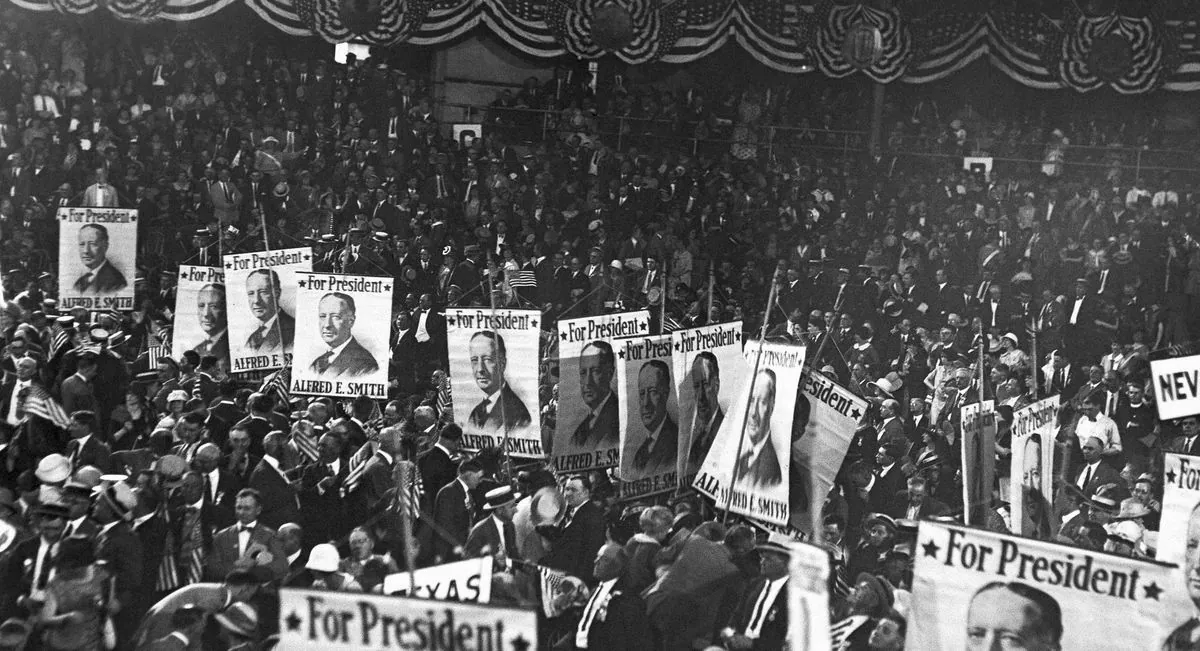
<point x="624" y="625"/>
<point x="1080" y="334"/>
<point x="226" y="198"/>
<point x="85" y="448"/>
<point x="278" y="499"/>
<point x="915" y="503"/>
<point x="706" y="387"/>
<point x="210" y="310"/>
<point x="1094" y="472"/>
<point x="760" y="621"/>
<point x="454" y="511"/>
<point x="658" y="450"/>
<point x="495" y="535"/>
<point x="247" y="543"/>
<point x="10" y="392"/>
<point x="581" y="533"/>
<point x="220" y="487"/>
<point x="759" y="466"/>
<point x="891" y="428"/>
<point x="1060" y="377"/>
<point x="321" y="486"/>
<point x="437" y="466"/>
<point x="30" y="561"/>
<point x="996" y="311"/>
<point x="888" y="480"/>
<point x="101" y="276"/>
<point x="500" y="410"/>
<point x="276" y="329"/>
<point x="345" y="357"/>
<point x="120" y="547"/>
<point x="377" y="476"/>
<point x="599" y="428"/>
<point x="291" y="539"/>
<point x="1189" y="441"/>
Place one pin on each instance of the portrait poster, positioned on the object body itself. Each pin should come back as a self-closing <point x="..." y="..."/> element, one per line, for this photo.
<point x="342" y="328"/>
<point x="808" y="597"/>
<point x="649" y="417"/>
<point x="827" y="415"/>
<point x="747" y="470"/>
<point x="971" y="587"/>
<point x="1032" y="480"/>
<point x="200" y="320"/>
<point x="262" y="307"/>
<point x="708" y="368"/>
<point x="1181" y="496"/>
<point x="494" y="378"/>
<point x="978" y="459"/>
<point x="97" y="258"/>
<point x="587" y="434"/>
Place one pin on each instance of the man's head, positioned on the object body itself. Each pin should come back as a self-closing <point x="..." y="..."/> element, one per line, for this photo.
<point x="26" y="367"/>
<point x="336" y="313"/>
<point x="1191" y="557"/>
<point x="772" y="562"/>
<point x="610" y="563"/>
<point x="488" y="359"/>
<point x="656" y="522"/>
<point x="1032" y="470"/>
<point x="916" y="489"/>
<point x="1022" y="616"/>
<point x="239" y="440"/>
<point x="83" y="423"/>
<point x="210" y="307"/>
<point x="291" y="538"/>
<point x="654" y="387"/>
<point x="329" y="448"/>
<point x="263" y="291"/>
<point x="1190" y="425"/>
<point x="248" y="505"/>
<point x="189" y="427"/>
<point x="471" y="473"/>
<point x="762" y="405"/>
<point x="207" y="458"/>
<point x="93" y="245"/>
<point x="1091" y="447"/>
<point x="706" y="383"/>
<point x="577" y="490"/>
<point x="596" y="366"/>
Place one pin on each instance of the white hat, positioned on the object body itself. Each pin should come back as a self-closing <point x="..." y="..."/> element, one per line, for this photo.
<point x="52" y="469"/>
<point x="323" y="558"/>
<point x="120" y="496"/>
<point x="178" y="394"/>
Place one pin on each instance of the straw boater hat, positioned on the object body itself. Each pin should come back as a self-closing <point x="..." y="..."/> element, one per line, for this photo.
<point x="498" y="498"/>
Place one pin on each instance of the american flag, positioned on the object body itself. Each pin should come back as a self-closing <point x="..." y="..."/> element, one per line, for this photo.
<point x="167" y="576"/>
<point x="40" y="403"/>
<point x="523" y="278"/>
<point x="276" y="384"/>
<point x="550" y="581"/>
<point x="670" y="325"/>
<point x="839" y="633"/>
<point x="306" y="444"/>
<point x="445" y="399"/>
<point x="60" y="338"/>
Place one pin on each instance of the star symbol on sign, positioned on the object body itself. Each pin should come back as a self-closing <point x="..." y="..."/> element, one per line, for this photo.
<point x="563" y="335"/>
<point x="677" y="346"/>
<point x="856" y="414"/>
<point x="306" y="257"/>
<point x="645" y="326"/>
<point x="534" y="323"/>
<point x="737" y="335"/>
<point x="449" y="320"/>
<point x="133" y="218"/>
<point x="229" y="265"/>
<point x="519" y="643"/>
<point x="931" y="549"/>
<point x="183" y="275"/>
<point x="300" y="283"/>
<point x="293" y="621"/>
<point x="1152" y="591"/>
<point x="1170" y="475"/>
<point x="387" y="288"/>
<point x="621" y="354"/>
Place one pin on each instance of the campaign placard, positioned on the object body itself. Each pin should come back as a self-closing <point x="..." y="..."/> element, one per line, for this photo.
<point x="748" y="469"/>
<point x="342" y="327"/>
<point x="1176" y="386"/>
<point x="649" y="417"/>
<point x="1032" y="480"/>
<point x="494" y="363"/>
<point x="1181" y="495"/>
<point x="808" y="597"/>
<point x="315" y="620"/>
<point x="708" y="367"/>
<point x="262" y="307"/>
<point x="979" y="589"/>
<point x="587" y="434"/>
<point x="97" y="258"/>
<point x="200" y="319"/>
<point x="978" y="459"/>
<point x="469" y="580"/>
<point x="827" y="415"/>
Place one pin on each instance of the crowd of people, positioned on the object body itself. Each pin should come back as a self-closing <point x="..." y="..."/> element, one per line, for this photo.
<point x="156" y="503"/>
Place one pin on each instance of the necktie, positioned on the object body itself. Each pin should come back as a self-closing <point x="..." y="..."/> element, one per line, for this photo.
<point x="225" y="187"/>
<point x="43" y="573"/>
<point x="256" y="338"/>
<point x="1087" y="478"/>
<point x="759" y="608"/>
<point x="208" y="489"/>
<point x="322" y="362"/>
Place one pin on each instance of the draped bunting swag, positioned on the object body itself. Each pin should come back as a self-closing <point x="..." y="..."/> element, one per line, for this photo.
<point x="1130" y="54"/>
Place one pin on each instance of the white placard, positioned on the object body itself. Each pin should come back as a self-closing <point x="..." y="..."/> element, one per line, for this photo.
<point x="469" y="580"/>
<point x="1176" y="386"/>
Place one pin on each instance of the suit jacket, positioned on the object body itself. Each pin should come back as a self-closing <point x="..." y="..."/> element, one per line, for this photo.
<point x="353" y="361"/>
<point x="575" y="544"/>
<point x="225" y="208"/>
<point x="1179" y="445"/>
<point x="224" y="552"/>
<point x="219" y="513"/>
<point x="485" y="536"/>
<point x="324" y="514"/>
<point x="626" y="627"/>
<point x="775" y="625"/>
<point x="451" y="513"/>
<point x="376" y="479"/>
<point x="929" y="508"/>
<point x="280" y="504"/>
<point x="437" y="470"/>
<point x="218" y="348"/>
<point x="122" y="549"/>
<point x="763" y="470"/>
<point x="93" y="453"/>
<point x="702" y="440"/>
<point x="1104" y="474"/>
<point x="605" y="432"/>
<point x="886" y="487"/>
<point x="509" y="414"/>
<point x="77" y="394"/>
<point x="664" y="451"/>
<point x="107" y="279"/>
<point x="276" y="338"/>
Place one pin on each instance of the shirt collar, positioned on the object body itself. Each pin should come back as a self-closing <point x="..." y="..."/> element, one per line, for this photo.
<point x="340" y="347"/>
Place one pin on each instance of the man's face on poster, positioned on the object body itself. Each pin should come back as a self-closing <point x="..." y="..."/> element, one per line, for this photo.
<point x="263" y="295"/>
<point x="1032" y="471"/>
<point x="336" y="319"/>
<point x="653" y="389"/>
<point x="487" y="364"/>
<point x="93" y="246"/>
<point x="1191" y="557"/>
<point x="595" y="376"/>
<point x="707" y="385"/>
<point x="762" y="405"/>
<point x="210" y="308"/>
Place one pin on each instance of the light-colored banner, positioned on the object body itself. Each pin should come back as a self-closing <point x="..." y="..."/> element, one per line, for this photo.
<point x="827" y="415"/>
<point x="587" y="431"/>
<point x="748" y="468"/>
<point x="469" y="580"/>
<point x="262" y="307"/>
<point x="97" y="258"/>
<point x="1180" y="523"/>
<point x="649" y="417"/>
<point x="977" y="589"/>
<point x="808" y="597"/>
<point x="200" y="318"/>
<point x="311" y="620"/>
<point x="494" y="378"/>
<point x="342" y="328"/>
<point x="1176" y="386"/>
<point x="978" y="459"/>
<point x="1032" y="479"/>
<point x="709" y="368"/>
